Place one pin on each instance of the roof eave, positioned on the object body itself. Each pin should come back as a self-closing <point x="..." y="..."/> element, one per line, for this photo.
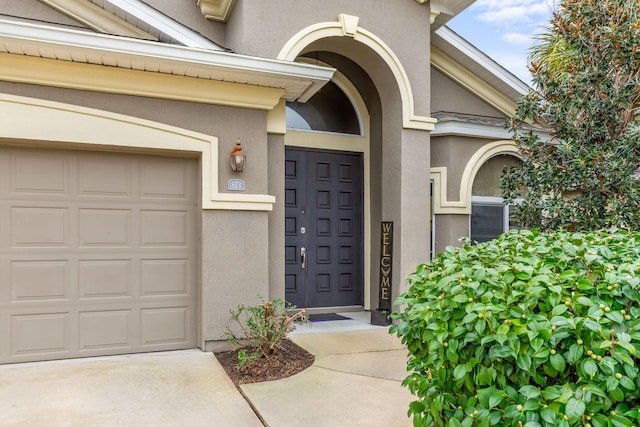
<point x="299" y="81"/>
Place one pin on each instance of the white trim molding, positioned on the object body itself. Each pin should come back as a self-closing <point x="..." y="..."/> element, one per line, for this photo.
<point x="97" y="18"/>
<point x="462" y="206"/>
<point x="65" y="125"/>
<point x="167" y="26"/>
<point x="66" y="74"/>
<point x="344" y="27"/>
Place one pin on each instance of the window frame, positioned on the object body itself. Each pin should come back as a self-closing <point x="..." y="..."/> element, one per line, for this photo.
<point x="494" y="201"/>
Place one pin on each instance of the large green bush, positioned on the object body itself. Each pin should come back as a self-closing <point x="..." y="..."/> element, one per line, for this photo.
<point x="529" y="330"/>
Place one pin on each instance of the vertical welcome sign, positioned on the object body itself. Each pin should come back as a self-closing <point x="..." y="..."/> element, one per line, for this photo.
<point x="381" y="315"/>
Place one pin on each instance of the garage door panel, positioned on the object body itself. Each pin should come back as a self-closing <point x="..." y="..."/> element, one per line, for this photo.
<point x="98" y="253"/>
<point x="34" y="173"/>
<point x="105" y="177"/>
<point x="165" y="179"/>
<point x="39" y="280"/>
<point x="105" y="227"/>
<point x="41" y="336"/>
<point x="105" y="330"/>
<point x="39" y="226"/>
<point x="164" y="277"/>
<point x="165" y="228"/>
<point x="164" y="326"/>
<point x="105" y="278"/>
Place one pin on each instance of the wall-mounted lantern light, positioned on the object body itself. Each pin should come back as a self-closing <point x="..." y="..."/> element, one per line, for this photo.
<point x="238" y="158"/>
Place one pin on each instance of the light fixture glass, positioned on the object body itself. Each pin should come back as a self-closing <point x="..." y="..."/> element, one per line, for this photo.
<point x="237" y="158"/>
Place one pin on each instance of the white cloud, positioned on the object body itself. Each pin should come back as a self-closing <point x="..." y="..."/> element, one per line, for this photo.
<point x="513" y="13"/>
<point x="524" y="40"/>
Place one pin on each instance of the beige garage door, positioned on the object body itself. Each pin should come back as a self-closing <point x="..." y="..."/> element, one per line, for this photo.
<point x="97" y="253"/>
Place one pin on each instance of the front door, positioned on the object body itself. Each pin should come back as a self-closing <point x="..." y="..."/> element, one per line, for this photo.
<point x="323" y="228"/>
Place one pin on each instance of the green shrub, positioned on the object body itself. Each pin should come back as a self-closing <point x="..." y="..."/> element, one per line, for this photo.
<point x="262" y="327"/>
<point x="528" y="330"/>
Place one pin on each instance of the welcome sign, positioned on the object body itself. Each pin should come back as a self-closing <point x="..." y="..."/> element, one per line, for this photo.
<point x="381" y="315"/>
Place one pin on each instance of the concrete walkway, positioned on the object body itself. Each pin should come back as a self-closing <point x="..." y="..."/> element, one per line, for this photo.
<point x="355" y="381"/>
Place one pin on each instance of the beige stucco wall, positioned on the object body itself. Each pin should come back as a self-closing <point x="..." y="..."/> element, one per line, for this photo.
<point x="448" y="96"/>
<point x="275" y="150"/>
<point x="449" y="230"/>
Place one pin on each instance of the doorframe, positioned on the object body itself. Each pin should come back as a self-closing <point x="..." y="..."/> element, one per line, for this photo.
<point x="353" y="143"/>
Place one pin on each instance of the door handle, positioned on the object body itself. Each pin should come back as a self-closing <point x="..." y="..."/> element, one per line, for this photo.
<point x="303" y="257"/>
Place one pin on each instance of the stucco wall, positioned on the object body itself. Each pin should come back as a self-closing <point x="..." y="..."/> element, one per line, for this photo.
<point x="276" y="217"/>
<point x="235" y="267"/>
<point x="448" y="96"/>
<point x="449" y="230"/>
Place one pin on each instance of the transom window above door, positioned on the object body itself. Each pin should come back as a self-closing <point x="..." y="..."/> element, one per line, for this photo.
<point x="329" y="110"/>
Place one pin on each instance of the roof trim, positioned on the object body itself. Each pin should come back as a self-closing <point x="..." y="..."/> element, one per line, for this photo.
<point x="472" y="82"/>
<point x="164" y="24"/>
<point x="97" y="18"/>
<point x="33" y="40"/>
<point x="473" y="53"/>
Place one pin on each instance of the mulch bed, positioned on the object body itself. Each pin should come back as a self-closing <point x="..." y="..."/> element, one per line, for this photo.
<point x="288" y="360"/>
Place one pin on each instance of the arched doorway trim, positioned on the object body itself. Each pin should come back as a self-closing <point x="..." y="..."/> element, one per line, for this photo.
<point x="347" y="26"/>
<point x="463" y="204"/>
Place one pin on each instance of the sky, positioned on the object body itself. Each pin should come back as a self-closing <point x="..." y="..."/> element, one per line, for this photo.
<point x="504" y="29"/>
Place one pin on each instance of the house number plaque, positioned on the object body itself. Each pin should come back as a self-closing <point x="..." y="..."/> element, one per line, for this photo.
<point x="235" y="185"/>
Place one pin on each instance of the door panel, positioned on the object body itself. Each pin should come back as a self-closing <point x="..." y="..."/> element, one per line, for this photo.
<point x="295" y="200"/>
<point x="324" y="215"/>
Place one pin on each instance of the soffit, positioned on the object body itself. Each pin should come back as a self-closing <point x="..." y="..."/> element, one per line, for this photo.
<point x="299" y="81"/>
<point x="442" y="11"/>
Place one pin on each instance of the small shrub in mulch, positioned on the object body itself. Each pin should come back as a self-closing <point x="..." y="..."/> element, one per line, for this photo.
<point x="290" y="359"/>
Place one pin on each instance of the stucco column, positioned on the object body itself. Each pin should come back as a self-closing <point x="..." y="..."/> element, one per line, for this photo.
<point x="412" y="236"/>
<point x="275" y="152"/>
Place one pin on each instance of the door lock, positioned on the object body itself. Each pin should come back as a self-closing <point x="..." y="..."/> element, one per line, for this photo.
<point x="303" y="257"/>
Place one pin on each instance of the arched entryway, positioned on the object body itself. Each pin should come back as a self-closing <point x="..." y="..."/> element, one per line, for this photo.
<point x="391" y="143"/>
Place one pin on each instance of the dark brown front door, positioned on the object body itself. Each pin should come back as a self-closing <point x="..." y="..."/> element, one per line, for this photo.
<point x="323" y="228"/>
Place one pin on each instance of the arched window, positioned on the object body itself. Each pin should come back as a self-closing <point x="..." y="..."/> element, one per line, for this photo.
<point x="329" y="110"/>
<point x="490" y="217"/>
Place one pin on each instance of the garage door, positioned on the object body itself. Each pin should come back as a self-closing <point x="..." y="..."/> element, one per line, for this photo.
<point x="97" y="253"/>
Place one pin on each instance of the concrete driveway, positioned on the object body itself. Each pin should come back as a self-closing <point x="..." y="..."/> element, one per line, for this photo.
<point x="177" y="388"/>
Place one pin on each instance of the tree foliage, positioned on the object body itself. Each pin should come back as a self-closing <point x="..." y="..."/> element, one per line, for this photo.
<point x="586" y="78"/>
